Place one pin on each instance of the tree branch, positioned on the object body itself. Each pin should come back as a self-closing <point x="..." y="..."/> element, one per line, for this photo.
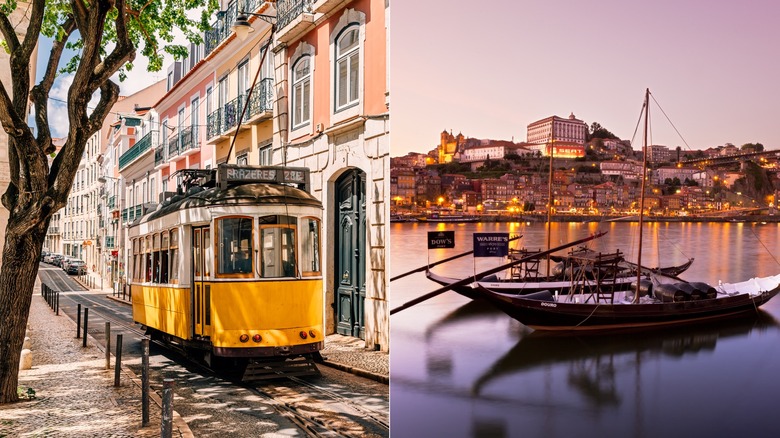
<point x="40" y="93"/>
<point x="9" y="33"/>
<point x="123" y="51"/>
<point x="33" y="29"/>
<point x="109" y="94"/>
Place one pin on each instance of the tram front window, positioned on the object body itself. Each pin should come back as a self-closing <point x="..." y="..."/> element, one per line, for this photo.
<point x="235" y="246"/>
<point x="310" y="248"/>
<point x="277" y="244"/>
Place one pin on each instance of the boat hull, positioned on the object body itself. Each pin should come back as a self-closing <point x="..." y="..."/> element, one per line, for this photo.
<point x="552" y="315"/>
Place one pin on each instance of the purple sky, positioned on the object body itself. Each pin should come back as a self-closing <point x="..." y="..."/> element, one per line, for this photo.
<point x="488" y="69"/>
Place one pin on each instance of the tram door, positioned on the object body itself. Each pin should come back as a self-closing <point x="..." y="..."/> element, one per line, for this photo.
<point x="350" y="254"/>
<point x="201" y="289"/>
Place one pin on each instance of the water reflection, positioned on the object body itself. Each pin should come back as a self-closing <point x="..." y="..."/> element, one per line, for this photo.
<point x="593" y="360"/>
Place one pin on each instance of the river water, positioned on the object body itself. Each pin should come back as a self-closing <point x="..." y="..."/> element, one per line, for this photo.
<point x="459" y="368"/>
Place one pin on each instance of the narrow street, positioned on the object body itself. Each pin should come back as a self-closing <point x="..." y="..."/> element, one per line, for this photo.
<point x="335" y="404"/>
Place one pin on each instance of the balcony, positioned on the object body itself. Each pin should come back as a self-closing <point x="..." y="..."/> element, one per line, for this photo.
<point x="173" y="145"/>
<point x="188" y="141"/>
<point x="221" y="122"/>
<point x="294" y="18"/>
<point x="261" y="101"/>
<point x="159" y="156"/>
<point x="138" y="149"/>
<point x="325" y="6"/>
<point x="220" y="29"/>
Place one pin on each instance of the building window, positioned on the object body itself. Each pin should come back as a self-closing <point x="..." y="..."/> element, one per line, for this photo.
<point x="243" y="159"/>
<point x="301" y="94"/>
<point x="265" y="155"/>
<point x="347" y="67"/>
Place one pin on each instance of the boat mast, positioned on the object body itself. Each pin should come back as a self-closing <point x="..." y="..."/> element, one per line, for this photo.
<point x="550" y="200"/>
<point x="642" y="197"/>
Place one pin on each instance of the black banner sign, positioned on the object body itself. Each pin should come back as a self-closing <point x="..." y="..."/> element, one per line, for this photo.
<point x="491" y="244"/>
<point x="441" y="239"/>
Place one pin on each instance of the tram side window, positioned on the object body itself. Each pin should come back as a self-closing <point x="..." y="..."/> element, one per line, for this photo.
<point x="148" y="259"/>
<point x="235" y="245"/>
<point x="174" y="256"/>
<point x="310" y="248"/>
<point x="277" y="241"/>
<point x="164" y="257"/>
<point x="156" y="258"/>
<point x="136" y="270"/>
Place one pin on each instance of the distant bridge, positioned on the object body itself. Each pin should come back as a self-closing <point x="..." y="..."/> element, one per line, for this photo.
<point x="729" y="159"/>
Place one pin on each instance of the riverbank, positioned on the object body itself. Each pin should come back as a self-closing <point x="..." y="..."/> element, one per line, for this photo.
<point x="607" y="218"/>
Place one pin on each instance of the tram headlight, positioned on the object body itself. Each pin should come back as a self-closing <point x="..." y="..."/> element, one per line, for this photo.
<point x="303" y="334"/>
<point x="257" y="338"/>
<point x="244" y="338"/>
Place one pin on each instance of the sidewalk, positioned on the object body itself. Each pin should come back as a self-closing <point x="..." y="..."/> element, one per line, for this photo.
<point x="74" y="393"/>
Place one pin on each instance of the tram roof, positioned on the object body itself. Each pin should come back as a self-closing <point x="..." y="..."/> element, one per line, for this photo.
<point x="242" y="194"/>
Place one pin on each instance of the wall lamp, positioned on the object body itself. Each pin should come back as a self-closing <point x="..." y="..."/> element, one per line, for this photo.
<point x="241" y="26"/>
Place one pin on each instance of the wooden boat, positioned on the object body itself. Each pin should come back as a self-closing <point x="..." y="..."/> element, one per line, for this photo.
<point x="599" y="311"/>
<point x="665" y="301"/>
<point x="582" y="271"/>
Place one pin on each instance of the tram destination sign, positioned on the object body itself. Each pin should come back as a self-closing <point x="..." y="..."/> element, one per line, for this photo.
<point x="441" y="239"/>
<point x="231" y="173"/>
<point x="491" y="244"/>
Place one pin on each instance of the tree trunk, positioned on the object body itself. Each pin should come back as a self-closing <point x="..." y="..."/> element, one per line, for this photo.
<point x="21" y="255"/>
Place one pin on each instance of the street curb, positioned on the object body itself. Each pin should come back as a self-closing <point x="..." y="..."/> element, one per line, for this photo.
<point x="178" y="421"/>
<point x="357" y="371"/>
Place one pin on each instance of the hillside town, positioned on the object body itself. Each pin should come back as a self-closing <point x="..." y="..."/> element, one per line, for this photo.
<point x="594" y="173"/>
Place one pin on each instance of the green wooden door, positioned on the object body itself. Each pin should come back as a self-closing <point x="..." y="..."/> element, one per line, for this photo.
<point x="350" y="254"/>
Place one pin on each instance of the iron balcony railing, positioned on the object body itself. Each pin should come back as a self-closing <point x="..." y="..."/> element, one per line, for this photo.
<point x="220" y="29"/>
<point x="226" y="117"/>
<point x="214" y="123"/>
<point x="173" y="145"/>
<point x="261" y="99"/>
<point x="159" y="155"/>
<point x="289" y="10"/>
<point x="188" y="139"/>
<point x="143" y="145"/>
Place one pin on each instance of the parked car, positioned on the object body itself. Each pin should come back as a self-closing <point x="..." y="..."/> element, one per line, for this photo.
<point x="44" y="254"/>
<point x="65" y="262"/>
<point x="56" y="259"/>
<point x="76" y="267"/>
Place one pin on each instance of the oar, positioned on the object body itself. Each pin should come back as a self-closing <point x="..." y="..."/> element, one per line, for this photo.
<point x="482" y="274"/>
<point x="449" y="259"/>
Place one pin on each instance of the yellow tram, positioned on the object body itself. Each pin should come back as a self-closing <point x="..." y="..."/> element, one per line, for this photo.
<point x="231" y="266"/>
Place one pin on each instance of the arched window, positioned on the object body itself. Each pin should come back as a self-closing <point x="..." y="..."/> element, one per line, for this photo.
<point x="347" y="67"/>
<point x="301" y="92"/>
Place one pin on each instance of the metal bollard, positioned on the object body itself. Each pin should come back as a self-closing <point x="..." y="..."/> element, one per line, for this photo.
<point x="166" y="425"/>
<point x="108" y="345"/>
<point x="145" y="382"/>
<point x="58" y="304"/>
<point x="78" y="321"/>
<point x="86" y="316"/>
<point x="118" y="365"/>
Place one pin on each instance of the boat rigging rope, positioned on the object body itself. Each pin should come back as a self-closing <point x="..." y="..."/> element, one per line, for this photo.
<point x="762" y="244"/>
